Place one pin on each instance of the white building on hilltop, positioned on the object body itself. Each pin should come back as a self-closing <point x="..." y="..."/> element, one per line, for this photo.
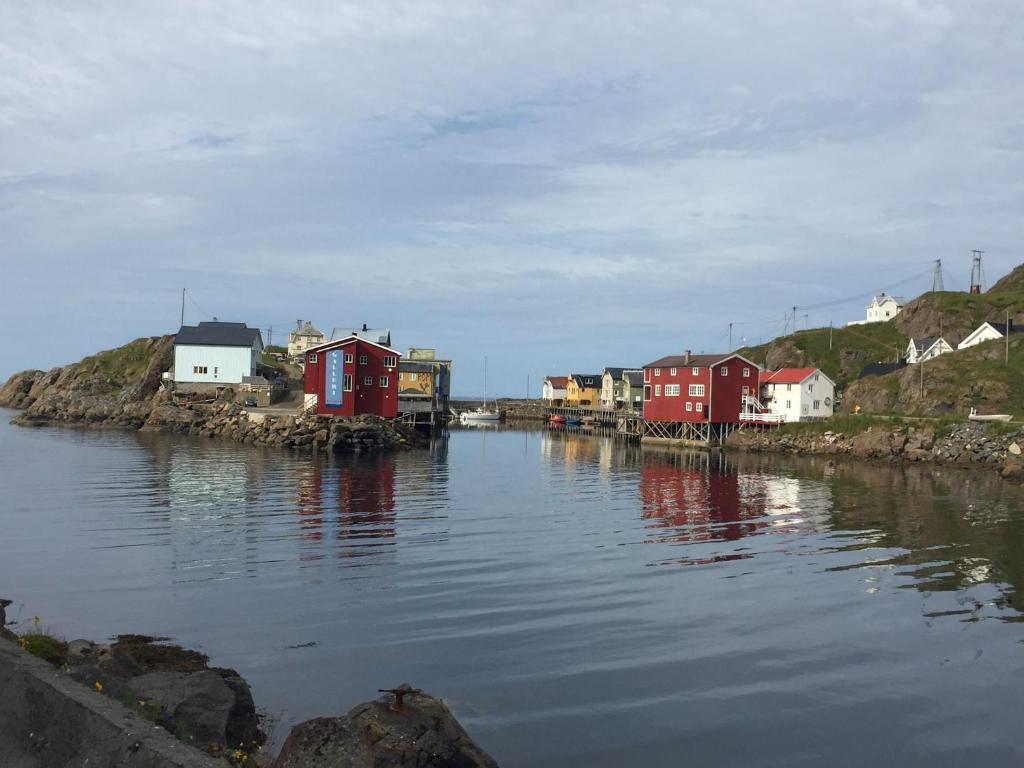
<point x="882" y="308"/>
<point x="216" y="353"/>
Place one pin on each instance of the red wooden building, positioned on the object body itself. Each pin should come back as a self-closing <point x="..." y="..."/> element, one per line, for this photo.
<point x="698" y="388"/>
<point x="351" y="377"/>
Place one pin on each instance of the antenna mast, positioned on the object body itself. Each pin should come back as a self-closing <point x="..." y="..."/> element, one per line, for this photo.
<point x="937" y="277"/>
<point x="976" y="276"/>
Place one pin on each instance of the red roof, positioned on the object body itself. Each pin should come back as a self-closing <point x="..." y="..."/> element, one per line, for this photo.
<point x="558" y="382"/>
<point x="786" y="375"/>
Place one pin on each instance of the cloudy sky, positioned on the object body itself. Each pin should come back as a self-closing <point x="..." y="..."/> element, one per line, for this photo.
<point x="560" y="186"/>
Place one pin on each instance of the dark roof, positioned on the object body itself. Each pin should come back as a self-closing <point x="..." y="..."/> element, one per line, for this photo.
<point x="635" y="378"/>
<point x="408" y="367"/>
<point x="1001" y="327"/>
<point x="217" y="334"/>
<point x="681" y="361"/>
<point x="615" y="372"/>
<point x="922" y="345"/>
<point x="581" y="380"/>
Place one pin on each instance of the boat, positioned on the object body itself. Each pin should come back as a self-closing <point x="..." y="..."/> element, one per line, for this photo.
<point x="975" y="416"/>
<point x="572" y="421"/>
<point x="483" y="414"/>
<point x="556" y="418"/>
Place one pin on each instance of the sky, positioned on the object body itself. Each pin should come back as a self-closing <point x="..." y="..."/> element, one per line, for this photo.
<point x="558" y="187"/>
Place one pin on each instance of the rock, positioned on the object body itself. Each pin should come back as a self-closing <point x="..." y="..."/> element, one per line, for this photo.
<point x="1013" y="470"/>
<point x="422" y="734"/>
<point x="1014" y="448"/>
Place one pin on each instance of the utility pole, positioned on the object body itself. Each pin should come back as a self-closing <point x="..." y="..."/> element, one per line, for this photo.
<point x="794" y="319"/>
<point x="937" y="277"/>
<point x="270" y="336"/>
<point x="182" y="307"/>
<point x="527" y="386"/>
<point x="830" y="335"/>
<point x="730" y="337"/>
<point x="921" y="364"/>
<point x="1006" y="355"/>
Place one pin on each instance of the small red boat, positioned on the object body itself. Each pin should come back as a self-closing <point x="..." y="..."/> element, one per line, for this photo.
<point x="556" y="418"/>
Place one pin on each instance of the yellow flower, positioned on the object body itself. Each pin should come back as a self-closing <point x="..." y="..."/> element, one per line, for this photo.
<point x="99" y="686"/>
<point x="36" y="620"/>
<point x="23" y="642"/>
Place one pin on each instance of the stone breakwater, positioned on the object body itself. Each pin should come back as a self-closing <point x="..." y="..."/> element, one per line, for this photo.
<point x="230" y="421"/>
<point x="971" y="445"/>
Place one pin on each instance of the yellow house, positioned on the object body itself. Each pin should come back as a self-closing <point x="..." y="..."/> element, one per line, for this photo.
<point x="415" y="379"/>
<point x="583" y="389"/>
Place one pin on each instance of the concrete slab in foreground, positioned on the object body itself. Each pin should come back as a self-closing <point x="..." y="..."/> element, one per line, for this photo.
<point x="47" y="720"/>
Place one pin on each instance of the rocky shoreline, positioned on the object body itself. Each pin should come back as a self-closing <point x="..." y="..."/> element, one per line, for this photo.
<point x="969" y="445"/>
<point x="120" y="699"/>
<point x="127" y="393"/>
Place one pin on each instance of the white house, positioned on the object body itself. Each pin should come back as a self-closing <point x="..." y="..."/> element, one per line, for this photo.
<point x="987" y="332"/>
<point x="611" y="387"/>
<point x="303" y="337"/>
<point x="882" y="307"/>
<point x="553" y="391"/>
<point x="919" y="350"/>
<point x="798" y="394"/>
<point x="216" y="353"/>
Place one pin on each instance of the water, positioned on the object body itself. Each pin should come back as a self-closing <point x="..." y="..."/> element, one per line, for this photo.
<point x="576" y="602"/>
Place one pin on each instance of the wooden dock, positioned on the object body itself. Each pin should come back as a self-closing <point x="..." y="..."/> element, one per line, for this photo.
<point x="630" y="425"/>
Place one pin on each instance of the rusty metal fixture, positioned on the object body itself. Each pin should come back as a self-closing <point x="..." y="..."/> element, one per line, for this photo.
<point x="399" y="693"/>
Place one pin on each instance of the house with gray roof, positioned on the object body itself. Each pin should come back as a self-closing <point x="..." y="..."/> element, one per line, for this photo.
<point x="925" y="348"/>
<point x="216" y="353"/>
<point x="304" y="336"/>
<point x="376" y="335"/>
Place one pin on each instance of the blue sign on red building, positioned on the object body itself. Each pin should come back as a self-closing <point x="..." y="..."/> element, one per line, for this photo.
<point x="333" y="374"/>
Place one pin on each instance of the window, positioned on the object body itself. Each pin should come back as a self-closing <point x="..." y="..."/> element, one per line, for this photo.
<point x="657" y="390"/>
<point x="215" y="370"/>
<point x="348" y="357"/>
<point x="671" y="390"/>
<point x="368" y="381"/>
<point x="346" y="382"/>
<point x="700" y="407"/>
<point x="384" y="382"/>
<point x="200" y="369"/>
<point x="657" y="371"/>
<point x="746" y="391"/>
<point x="647" y="391"/>
<point x="789" y="387"/>
<point x="689" y="406"/>
<point x="746" y="373"/>
<point x="390" y="361"/>
<point x="647" y="374"/>
<point x="789" y="404"/>
<point x="810" y="387"/>
<point x="412" y="376"/>
<point x="362" y="359"/>
<point x="695" y="390"/>
<point x="695" y="371"/>
<point x="312" y="357"/>
<point x="672" y="371"/>
<point x="723" y="371"/>
<point x="817" y="404"/>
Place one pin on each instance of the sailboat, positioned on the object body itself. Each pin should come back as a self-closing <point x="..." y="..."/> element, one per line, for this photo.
<point x="482" y="414"/>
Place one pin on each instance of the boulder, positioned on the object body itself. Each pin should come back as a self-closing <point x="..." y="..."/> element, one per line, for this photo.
<point x="421" y="733"/>
<point x="1013" y="470"/>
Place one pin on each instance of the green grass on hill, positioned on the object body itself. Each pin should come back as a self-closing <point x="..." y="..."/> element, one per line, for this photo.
<point x="123" y="364"/>
<point x="852" y="347"/>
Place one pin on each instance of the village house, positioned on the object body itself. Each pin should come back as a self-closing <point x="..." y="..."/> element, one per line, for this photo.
<point x="424" y="385"/>
<point x="380" y="336"/>
<point x="583" y="389"/>
<point x="882" y="308"/>
<point x="633" y="390"/>
<point x="698" y="388"/>
<point x="302" y="338"/>
<point x="415" y="379"/>
<point x="919" y="350"/>
<point x="611" y="388"/>
<point x="216" y="353"/>
<point x="553" y="392"/>
<point x="796" y="394"/>
<point x="351" y="377"/>
<point x="988" y="332"/>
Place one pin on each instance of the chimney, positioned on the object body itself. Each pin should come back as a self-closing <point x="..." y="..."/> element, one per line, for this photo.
<point x="686" y="357"/>
<point x="364" y="327"/>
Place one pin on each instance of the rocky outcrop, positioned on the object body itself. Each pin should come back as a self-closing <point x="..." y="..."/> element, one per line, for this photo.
<point x="408" y="730"/>
<point x="968" y="445"/>
<point x="122" y="388"/>
<point x="208" y="707"/>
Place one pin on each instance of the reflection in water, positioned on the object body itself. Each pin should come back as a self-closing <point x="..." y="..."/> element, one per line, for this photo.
<point x="532" y="578"/>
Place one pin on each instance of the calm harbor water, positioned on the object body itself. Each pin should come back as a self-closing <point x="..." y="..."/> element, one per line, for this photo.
<point x="576" y="601"/>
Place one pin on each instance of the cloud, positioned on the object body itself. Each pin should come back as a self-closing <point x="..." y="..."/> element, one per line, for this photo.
<point x="604" y="180"/>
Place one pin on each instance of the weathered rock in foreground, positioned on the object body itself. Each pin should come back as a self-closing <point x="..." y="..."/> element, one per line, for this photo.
<point x="422" y="733"/>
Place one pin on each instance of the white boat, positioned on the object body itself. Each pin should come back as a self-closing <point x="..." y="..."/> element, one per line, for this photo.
<point x="483" y="413"/>
<point x="975" y="416"/>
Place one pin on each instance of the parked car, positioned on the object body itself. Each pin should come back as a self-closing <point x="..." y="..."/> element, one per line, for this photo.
<point x="250" y="402"/>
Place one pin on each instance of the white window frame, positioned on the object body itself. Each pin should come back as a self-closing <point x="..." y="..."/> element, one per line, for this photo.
<point x="312" y="357"/>
<point x="657" y="371"/>
<point x="348" y="357"/>
<point x="647" y="375"/>
<point x="367" y="381"/>
<point x="657" y="390"/>
<point x="363" y="360"/>
<point x="346" y="382"/>
<point x="413" y="376"/>
<point x="689" y="406"/>
<point x="695" y="371"/>
<point x="383" y="382"/>
<point x="700" y="407"/>
<point x="647" y="393"/>
<point x="723" y="371"/>
<point x="746" y="373"/>
<point x="671" y="390"/>
<point x="695" y="390"/>
<point x="390" y="361"/>
<point x="671" y="371"/>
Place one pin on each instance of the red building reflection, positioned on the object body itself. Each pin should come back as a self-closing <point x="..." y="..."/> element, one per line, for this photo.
<point x="699" y="498"/>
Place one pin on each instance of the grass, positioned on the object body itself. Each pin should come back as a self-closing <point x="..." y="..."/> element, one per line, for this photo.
<point x="44" y="645"/>
<point x="123" y="364"/>
<point x="850" y="350"/>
